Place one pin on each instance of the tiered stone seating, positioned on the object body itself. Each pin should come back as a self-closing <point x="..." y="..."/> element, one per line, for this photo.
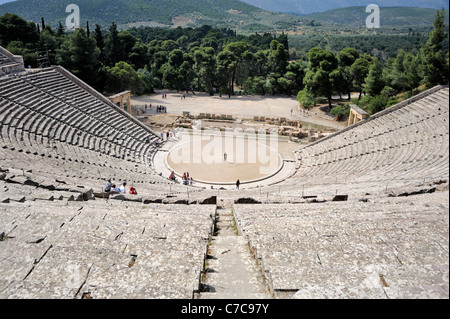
<point x="10" y="63"/>
<point x="387" y="248"/>
<point x="87" y="121"/>
<point x="59" y="128"/>
<point x="4" y="59"/>
<point x="89" y="171"/>
<point x="100" y="249"/>
<point x="409" y="144"/>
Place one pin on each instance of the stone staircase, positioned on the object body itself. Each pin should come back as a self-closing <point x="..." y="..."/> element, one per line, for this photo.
<point x="10" y="63"/>
<point x="231" y="271"/>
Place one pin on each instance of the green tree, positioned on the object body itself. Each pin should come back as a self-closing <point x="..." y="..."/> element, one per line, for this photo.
<point x="226" y="70"/>
<point x="177" y="72"/>
<point x="260" y="60"/>
<point x="228" y="62"/>
<point x="19" y="48"/>
<point x="318" y="79"/>
<point x="346" y="57"/>
<point x="14" y="28"/>
<point x="377" y="103"/>
<point x="394" y="72"/>
<point x="187" y="75"/>
<point x="338" y="81"/>
<point x="169" y="45"/>
<point x="127" y="43"/>
<point x="255" y="85"/>
<point x="182" y="42"/>
<point x="157" y="60"/>
<point x="286" y="83"/>
<point x="112" y="46"/>
<point x="80" y="55"/>
<point x="435" y="66"/>
<point x="48" y="40"/>
<point x="123" y="77"/>
<point x="171" y="78"/>
<point x="138" y="56"/>
<point x="360" y="69"/>
<point x="60" y="31"/>
<point x="298" y="69"/>
<point x="100" y="40"/>
<point x="205" y="67"/>
<point x="306" y="99"/>
<point x="413" y="78"/>
<point x="277" y="59"/>
<point x="374" y="83"/>
<point x="148" y="81"/>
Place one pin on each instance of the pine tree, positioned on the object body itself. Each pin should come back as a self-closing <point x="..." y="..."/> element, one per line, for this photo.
<point x="14" y="28"/>
<point x="60" y="31"/>
<point x="80" y="55"/>
<point x="346" y="58"/>
<point x="360" y="69"/>
<point x="98" y="36"/>
<point x="318" y="80"/>
<point x="88" y="32"/>
<point x="374" y="83"/>
<point x="435" y="67"/>
<point x="112" y="46"/>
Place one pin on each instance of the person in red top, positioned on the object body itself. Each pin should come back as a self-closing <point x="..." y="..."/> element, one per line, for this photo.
<point x="133" y="191"/>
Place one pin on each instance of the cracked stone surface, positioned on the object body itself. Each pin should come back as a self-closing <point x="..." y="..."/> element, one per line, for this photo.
<point x="103" y="251"/>
<point x="389" y="248"/>
<point x="232" y="271"/>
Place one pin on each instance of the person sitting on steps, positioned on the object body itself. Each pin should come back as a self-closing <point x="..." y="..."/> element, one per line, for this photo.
<point x="122" y="188"/>
<point x="108" y="186"/>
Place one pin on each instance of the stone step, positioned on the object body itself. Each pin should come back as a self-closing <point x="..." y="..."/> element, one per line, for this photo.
<point x="234" y="296"/>
<point x="232" y="271"/>
<point x="225" y="223"/>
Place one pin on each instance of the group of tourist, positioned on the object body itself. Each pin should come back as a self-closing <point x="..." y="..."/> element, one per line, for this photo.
<point x="148" y="140"/>
<point x="187" y="180"/>
<point x="305" y="112"/>
<point x="159" y="108"/>
<point x="168" y="135"/>
<point x="111" y="188"/>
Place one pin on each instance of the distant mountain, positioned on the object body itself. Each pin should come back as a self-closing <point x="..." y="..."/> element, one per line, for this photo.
<point x="308" y="6"/>
<point x="390" y="17"/>
<point x="220" y="13"/>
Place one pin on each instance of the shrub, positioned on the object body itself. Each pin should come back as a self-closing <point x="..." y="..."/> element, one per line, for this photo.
<point x="377" y="104"/>
<point x="306" y="99"/>
<point x="341" y="111"/>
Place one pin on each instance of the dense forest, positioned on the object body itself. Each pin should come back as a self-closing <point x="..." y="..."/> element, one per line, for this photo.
<point x="220" y="61"/>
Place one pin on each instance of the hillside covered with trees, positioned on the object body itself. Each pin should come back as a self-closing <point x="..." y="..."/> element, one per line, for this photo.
<point x="306" y="7"/>
<point x="127" y="13"/>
